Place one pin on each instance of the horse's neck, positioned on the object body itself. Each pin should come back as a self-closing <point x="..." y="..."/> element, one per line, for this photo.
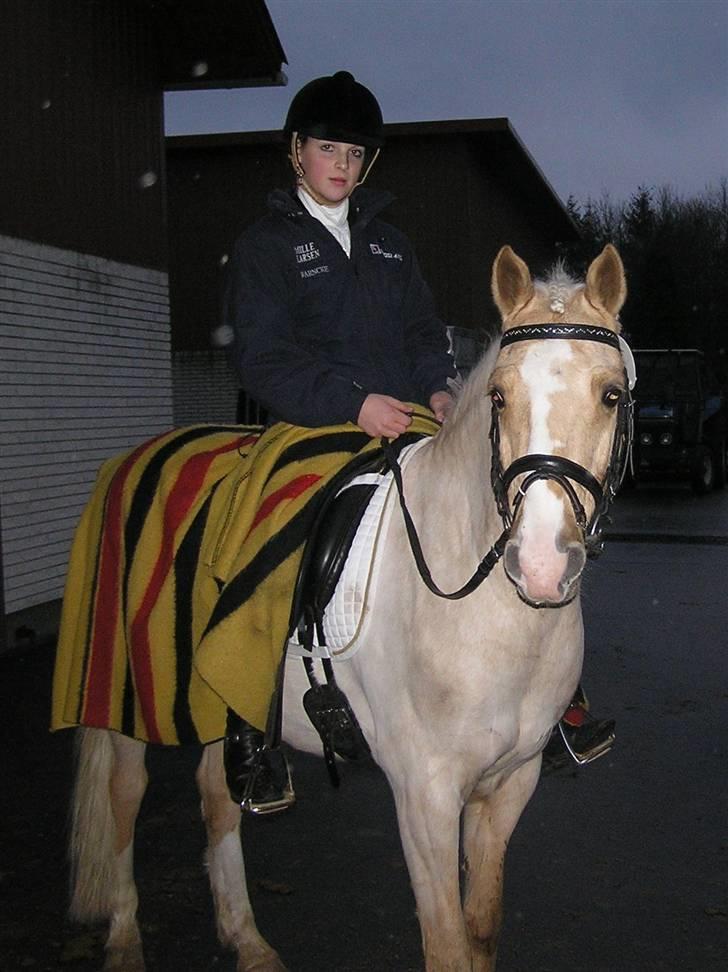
<point x="449" y="483"/>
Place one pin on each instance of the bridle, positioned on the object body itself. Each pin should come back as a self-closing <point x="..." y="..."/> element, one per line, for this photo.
<point x="557" y="468"/>
<point x="538" y="466"/>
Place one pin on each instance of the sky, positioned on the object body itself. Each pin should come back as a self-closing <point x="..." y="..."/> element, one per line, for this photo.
<point x="607" y="95"/>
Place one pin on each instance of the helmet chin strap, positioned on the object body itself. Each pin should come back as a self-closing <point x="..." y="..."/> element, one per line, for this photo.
<point x="295" y="160"/>
<point x="369" y="169"/>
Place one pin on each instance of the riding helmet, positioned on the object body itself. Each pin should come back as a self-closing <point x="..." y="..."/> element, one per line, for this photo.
<point x="337" y="108"/>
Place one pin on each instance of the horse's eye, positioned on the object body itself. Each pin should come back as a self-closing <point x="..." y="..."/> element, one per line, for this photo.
<point x="497" y="399"/>
<point x="612" y="396"/>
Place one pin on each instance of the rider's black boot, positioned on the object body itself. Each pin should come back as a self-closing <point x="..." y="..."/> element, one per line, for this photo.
<point x="578" y="736"/>
<point x="258" y="778"/>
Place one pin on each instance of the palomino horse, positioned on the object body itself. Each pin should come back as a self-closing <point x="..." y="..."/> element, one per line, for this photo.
<point x="456" y="696"/>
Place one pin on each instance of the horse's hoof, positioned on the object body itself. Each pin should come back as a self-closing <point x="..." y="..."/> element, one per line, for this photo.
<point x="267" y="963"/>
<point x="271" y="964"/>
<point x="130" y="959"/>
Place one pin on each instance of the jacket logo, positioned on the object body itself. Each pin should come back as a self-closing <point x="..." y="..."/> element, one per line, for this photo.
<point x="378" y="251"/>
<point x="305" y="252"/>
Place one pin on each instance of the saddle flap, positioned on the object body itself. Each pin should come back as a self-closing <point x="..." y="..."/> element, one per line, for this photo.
<point x="331" y="536"/>
<point x="333" y="542"/>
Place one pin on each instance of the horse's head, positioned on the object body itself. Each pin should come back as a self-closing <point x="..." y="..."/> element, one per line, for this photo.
<point x="561" y="418"/>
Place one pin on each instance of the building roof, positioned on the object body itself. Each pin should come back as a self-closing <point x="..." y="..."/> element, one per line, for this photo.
<point x="503" y="153"/>
<point x="216" y="44"/>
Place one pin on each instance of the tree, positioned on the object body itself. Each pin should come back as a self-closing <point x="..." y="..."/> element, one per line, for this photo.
<point x="675" y="252"/>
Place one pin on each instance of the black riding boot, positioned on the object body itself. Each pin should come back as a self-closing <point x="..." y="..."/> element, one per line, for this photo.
<point x="258" y="778"/>
<point x="578" y="735"/>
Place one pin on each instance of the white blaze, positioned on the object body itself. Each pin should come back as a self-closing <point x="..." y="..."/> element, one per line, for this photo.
<point x="540" y="562"/>
<point x="541" y="374"/>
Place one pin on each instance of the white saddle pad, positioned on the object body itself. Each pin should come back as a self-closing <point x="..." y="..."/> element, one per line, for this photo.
<point x="345" y="620"/>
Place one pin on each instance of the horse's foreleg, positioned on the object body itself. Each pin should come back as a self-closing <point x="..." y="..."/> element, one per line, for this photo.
<point x="235" y="922"/>
<point x="488" y="822"/>
<point x="429" y="828"/>
<point x="110" y="784"/>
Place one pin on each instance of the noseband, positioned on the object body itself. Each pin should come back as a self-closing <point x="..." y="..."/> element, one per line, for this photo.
<point x="558" y="469"/>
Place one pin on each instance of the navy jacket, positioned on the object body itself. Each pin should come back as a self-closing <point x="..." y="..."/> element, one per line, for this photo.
<point x="316" y="331"/>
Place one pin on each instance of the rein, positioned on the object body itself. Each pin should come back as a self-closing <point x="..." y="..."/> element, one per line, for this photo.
<point x="481" y="571"/>
<point x="539" y="466"/>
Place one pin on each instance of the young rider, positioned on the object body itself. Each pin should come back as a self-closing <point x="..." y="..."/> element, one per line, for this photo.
<point x="332" y="319"/>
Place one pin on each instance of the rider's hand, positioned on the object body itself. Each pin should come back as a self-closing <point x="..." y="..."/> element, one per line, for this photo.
<point x="383" y="415"/>
<point x="441" y="403"/>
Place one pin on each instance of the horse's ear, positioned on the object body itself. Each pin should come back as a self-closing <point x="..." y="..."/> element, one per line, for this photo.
<point x="511" y="282"/>
<point x="605" y="281"/>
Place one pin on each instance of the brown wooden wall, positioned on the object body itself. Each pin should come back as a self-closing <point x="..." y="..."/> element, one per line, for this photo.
<point x="212" y="196"/>
<point x="81" y="116"/>
<point x="459" y="197"/>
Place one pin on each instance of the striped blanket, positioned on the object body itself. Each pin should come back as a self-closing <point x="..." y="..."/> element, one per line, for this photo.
<point x="179" y="586"/>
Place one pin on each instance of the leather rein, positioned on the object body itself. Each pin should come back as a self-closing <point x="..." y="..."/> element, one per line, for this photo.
<point x="539" y="466"/>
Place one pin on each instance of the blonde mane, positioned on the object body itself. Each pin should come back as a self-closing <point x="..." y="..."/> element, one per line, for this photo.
<point x="472" y="387"/>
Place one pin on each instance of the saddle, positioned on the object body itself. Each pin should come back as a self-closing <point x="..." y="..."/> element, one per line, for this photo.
<point x="341" y="509"/>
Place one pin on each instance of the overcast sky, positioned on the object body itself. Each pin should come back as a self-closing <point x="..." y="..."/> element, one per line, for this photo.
<point x="607" y="95"/>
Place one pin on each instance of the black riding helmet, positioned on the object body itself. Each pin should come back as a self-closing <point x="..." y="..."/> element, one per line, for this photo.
<point x="336" y="108"/>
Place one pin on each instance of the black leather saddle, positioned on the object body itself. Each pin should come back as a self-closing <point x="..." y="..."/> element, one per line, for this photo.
<point x="332" y="534"/>
<point x="334" y="527"/>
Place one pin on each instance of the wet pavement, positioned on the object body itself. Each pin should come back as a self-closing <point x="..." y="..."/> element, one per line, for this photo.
<point x="670" y="512"/>
<point x="621" y="866"/>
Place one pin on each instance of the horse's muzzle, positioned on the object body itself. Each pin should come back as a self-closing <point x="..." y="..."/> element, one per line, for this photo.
<point x="543" y="577"/>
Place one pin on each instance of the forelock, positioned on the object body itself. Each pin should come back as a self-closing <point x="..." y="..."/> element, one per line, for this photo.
<point x="557" y="288"/>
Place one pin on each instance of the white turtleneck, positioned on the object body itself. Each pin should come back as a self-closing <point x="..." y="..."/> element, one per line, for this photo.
<point x="334" y="218"/>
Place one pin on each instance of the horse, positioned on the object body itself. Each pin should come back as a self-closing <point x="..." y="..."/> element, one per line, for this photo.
<point x="456" y="695"/>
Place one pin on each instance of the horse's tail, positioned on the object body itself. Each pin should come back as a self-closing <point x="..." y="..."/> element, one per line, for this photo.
<point x="91" y="847"/>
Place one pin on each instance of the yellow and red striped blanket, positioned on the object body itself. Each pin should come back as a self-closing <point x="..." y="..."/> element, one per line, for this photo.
<point x="182" y="570"/>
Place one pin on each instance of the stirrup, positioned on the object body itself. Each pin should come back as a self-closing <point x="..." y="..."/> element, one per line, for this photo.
<point x="599" y="742"/>
<point x="263" y="804"/>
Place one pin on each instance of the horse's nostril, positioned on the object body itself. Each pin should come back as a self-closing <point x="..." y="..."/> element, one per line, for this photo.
<point x="511" y="562"/>
<point x="576" y="558"/>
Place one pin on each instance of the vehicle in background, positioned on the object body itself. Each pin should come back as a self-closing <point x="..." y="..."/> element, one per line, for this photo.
<point x="467" y="346"/>
<point x="681" y="418"/>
